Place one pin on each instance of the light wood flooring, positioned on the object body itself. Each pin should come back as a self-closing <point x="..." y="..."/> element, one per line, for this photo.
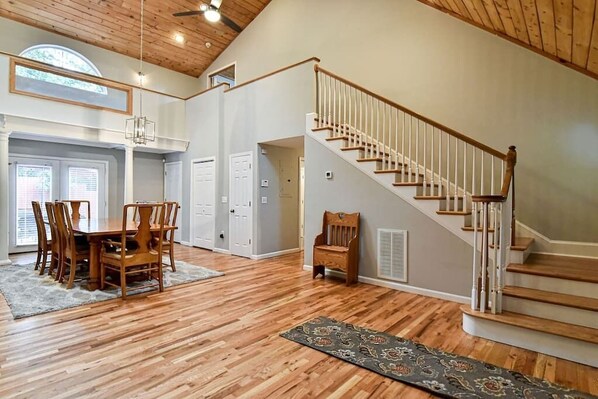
<point x="219" y="338"/>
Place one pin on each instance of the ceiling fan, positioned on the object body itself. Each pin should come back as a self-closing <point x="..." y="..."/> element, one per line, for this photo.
<point x="212" y="13"/>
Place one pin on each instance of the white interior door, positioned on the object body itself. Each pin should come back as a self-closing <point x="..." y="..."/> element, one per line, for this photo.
<point x="203" y="198"/>
<point x="241" y="194"/>
<point x="173" y="190"/>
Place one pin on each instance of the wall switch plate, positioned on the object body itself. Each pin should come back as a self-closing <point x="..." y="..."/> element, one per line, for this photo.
<point x="265" y="183"/>
<point x="264" y="200"/>
<point x="329" y="174"/>
<point x="224" y="200"/>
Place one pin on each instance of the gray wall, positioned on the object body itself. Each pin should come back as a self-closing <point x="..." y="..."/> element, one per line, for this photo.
<point x="223" y="123"/>
<point x="278" y="220"/>
<point x="488" y="88"/>
<point x="146" y="167"/>
<point x="437" y="259"/>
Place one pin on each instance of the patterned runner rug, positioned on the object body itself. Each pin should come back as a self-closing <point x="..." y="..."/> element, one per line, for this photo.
<point x="28" y="294"/>
<point x="442" y="373"/>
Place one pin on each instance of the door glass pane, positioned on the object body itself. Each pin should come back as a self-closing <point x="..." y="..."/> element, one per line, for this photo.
<point x="83" y="185"/>
<point x="34" y="183"/>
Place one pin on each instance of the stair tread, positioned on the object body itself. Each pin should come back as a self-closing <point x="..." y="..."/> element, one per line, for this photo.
<point x="573" y="301"/>
<point x="564" y="267"/>
<point x="337" y="138"/>
<point x="435" y="197"/>
<point x="559" y="328"/>
<point x="470" y="228"/>
<point x="461" y="213"/>
<point x="522" y="243"/>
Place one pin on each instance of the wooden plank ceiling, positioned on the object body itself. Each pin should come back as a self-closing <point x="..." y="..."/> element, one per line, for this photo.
<point x="115" y="25"/>
<point x="563" y="30"/>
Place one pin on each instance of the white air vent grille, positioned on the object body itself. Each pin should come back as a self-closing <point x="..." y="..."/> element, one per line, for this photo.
<point x="392" y="254"/>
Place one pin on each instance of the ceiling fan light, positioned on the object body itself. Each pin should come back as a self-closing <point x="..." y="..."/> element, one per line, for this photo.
<point x="212" y="15"/>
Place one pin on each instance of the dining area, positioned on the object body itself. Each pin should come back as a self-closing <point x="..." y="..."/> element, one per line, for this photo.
<point x="123" y="253"/>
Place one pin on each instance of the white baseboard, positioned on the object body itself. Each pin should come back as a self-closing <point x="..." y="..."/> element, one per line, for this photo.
<point x="277" y="253"/>
<point x="5" y="262"/>
<point x="186" y="243"/>
<point x="545" y="245"/>
<point x="401" y="287"/>
<point x="221" y="251"/>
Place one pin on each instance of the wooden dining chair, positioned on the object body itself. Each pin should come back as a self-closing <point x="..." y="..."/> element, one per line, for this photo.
<point x="146" y="255"/>
<point x="75" y="206"/>
<point x="43" y="244"/>
<point x="172" y="210"/>
<point x="56" y="242"/>
<point x="73" y="254"/>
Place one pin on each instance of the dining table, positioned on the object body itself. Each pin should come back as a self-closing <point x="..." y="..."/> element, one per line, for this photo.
<point x="96" y="230"/>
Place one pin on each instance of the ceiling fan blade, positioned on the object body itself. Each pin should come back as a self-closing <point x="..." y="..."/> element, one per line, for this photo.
<point x="216" y="3"/>
<point x="230" y="23"/>
<point x="187" y="13"/>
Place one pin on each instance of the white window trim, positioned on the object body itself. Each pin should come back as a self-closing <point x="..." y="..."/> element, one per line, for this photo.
<point x="65" y="49"/>
<point x="215" y="72"/>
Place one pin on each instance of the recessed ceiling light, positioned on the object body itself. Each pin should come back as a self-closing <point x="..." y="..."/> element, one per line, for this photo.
<point x="208" y="44"/>
<point x="179" y="38"/>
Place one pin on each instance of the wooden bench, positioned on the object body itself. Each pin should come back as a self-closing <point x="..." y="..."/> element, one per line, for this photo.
<point x="337" y="247"/>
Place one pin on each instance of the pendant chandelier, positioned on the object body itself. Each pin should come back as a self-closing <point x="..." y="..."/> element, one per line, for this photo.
<point x="139" y="129"/>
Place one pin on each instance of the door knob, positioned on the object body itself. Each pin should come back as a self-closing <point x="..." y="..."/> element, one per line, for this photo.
<point x="232" y="211"/>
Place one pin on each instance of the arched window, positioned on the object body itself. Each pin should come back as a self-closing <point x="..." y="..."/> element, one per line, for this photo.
<point x="64" y="58"/>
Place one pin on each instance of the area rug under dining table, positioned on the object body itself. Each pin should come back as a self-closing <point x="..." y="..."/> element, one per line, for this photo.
<point x="29" y="294"/>
<point x="442" y="373"/>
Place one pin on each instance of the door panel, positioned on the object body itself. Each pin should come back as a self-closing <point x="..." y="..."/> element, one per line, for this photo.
<point x="203" y="204"/>
<point x="241" y="194"/>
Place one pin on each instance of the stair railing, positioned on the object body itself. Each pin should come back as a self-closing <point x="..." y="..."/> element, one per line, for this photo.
<point x="468" y="177"/>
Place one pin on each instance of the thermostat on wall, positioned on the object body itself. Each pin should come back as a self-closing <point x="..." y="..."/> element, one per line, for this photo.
<point x="328" y="174"/>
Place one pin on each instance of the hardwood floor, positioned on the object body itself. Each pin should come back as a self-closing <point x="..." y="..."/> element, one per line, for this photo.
<point x="219" y="339"/>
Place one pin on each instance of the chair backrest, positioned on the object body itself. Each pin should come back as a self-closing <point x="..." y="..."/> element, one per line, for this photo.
<point x="65" y="228"/>
<point x="144" y="236"/>
<point x="154" y="216"/>
<point x="51" y="212"/>
<point x="42" y="238"/>
<point x="172" y="211"/>
<point x="340" y="228"/>
<point x="76" y="208"/>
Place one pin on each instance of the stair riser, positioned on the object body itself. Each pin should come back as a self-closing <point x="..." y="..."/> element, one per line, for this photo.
<point x="550" y="284"/>
<point x="553" y="345"/>
<point x="550" y="311"/>
<point x="449" y="205"/>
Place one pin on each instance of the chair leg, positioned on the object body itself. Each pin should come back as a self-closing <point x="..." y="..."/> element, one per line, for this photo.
<point x="53" y="262"/>
<point x="102" y="276"/>
<point x="39" y="257"/>
<point x="123" y="283"/>
<point x="72" y="271"/>
<point x="171" y="253"/>
<point x="161" y="276"/>
<point x="42" y="268"/>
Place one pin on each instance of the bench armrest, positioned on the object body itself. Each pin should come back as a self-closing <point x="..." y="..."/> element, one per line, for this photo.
<point x="320" y="240"/>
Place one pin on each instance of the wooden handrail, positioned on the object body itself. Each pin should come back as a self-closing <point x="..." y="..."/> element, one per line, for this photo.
<point x="422" y="118"/>
<point x="312" y="59"/>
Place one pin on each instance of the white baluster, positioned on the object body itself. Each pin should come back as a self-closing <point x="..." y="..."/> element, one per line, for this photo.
<point x="484" y="255"/>
<point x="396" y="146"/>
<point x="403" y="148"/>
<point x="482" y="173"/>
<point x="439" y="163"/>
<point x="416" y="176"/>
<point x="492" y="174"/>
<point x="344" y="125"/>
<point x="456" y="203"/>
<point x="496" y="267"/>
<point x="464" y="176"/>
<point x="448" y="172"/>
<point x="432" y="163"/>
<point x="474" y="288"/>
<point x="410" y="145"/>
<point x="384" y="136"/>
<point x="425" y="156"/>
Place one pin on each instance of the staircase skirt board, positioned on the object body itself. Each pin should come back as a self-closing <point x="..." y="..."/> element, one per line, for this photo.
<point x="550" y="344"/>
<point x="543" y="310"/>
<point x="580" y="288"/>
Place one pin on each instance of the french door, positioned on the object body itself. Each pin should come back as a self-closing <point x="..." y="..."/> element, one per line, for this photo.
<point x="43" y="180"/>
<point x="241" y="214"/>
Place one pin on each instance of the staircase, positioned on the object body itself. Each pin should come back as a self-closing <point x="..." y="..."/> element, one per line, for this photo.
<point x="545" y="303"/>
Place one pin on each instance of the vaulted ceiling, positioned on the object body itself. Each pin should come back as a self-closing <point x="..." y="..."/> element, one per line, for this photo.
<point x="115" y="25"/>
<point x="563" y="30"/>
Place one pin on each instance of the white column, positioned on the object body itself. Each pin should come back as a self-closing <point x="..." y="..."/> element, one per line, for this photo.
<point x="4" y="133"/>
<point x="129" y="147"/>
